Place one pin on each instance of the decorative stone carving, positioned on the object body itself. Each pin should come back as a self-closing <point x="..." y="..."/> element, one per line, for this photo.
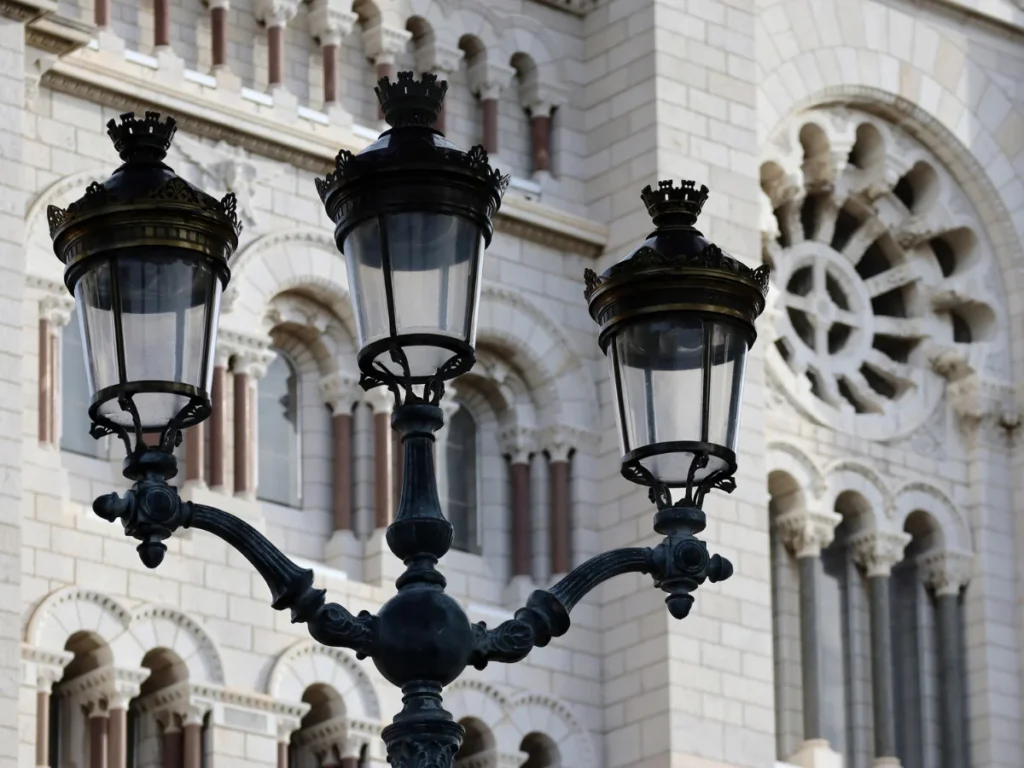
<point x="47" y="667"/>
<point x="488" y="79"/>
<point x="380" y="400"/>
<point x="540" y="96"/>
<point x="432" y="56"/>
<point x="340" y="391"/>
<point x="381" y="42"/>
<point x="878" y="551"/>
<point x="275" y="13"/>
<point x="518" y="442"/>
<point x="805" y="533"/>
<point x="56" y="309"/>
<point x="330" y="21"/>
<point x="946" y="571"/>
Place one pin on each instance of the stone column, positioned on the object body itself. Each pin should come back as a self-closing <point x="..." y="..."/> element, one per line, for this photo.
<point x="101" y="13"/>
<point x="54" y="314"/>
<point x="172" y="741"/>
<point x="442" y="61"/>
<point x="217" y="423"/>
<point x="161" y="23"/>
<point x="487" y="81"/>
<point x="341" y="393"/>
<point x="449" y="406"/>
<point x="558" y="449"/>
<point x="540" y="99"/>
<point x="381" y="43"/>
<point x="47" y="674"/>
<point x="518" y="445"/>
<point x="285" y="728"/>
<point x="219" y="34"/>
<point x="350" y="752"/>
<point x="97" y="735"/>
<point x="192" y="738"/>
<point x="195" y="454"/>
<point x="275" y="15"/>
<point x="877" y="552"/>
<point x="248" y="368"/>
<point x="805" y="534"/>
<point x="117" y="727"/>
<point x="382" y="403"/>
<point x="329" y="23"/>
<point x="946" y="573"/>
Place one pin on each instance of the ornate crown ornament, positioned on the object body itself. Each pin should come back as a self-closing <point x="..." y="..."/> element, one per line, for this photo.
<point x="143" y="201"/>
<point x="675" y="269"/>
<point x="411" y="166"/>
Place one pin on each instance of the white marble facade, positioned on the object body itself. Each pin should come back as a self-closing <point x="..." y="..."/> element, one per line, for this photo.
<point x="872" y="151"/>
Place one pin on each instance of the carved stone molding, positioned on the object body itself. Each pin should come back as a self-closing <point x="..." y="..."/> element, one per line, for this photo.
<point x="945" y="571"/>
<point x="56" y="309"/>
<point x="432" y="56"/>
<point x="540" y="96"/>
<point x="275" y="13"/>
<point x="250" y="355"/>
<point x="518" y="442"/>
<point x="43" y="667"/>
<point x="380" y="400"/>
<point x="340" y="392"/>
<point x="806" y="533"/>
<point x="382" y="42"/>
<point x="488" y="79"/>
<point x="330" y="21"/>
<point x="984" y="408"/>
<point x="104" y="689"/>
<point x="878" y="551"/>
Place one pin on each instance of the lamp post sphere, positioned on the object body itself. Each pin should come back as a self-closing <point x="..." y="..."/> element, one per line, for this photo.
<point x="413" y="214"/>
<point x="677" y="319"/>
<point x="146" y="258"/>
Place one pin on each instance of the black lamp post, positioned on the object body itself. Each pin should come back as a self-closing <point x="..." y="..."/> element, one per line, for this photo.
<point x="146" y="258"/>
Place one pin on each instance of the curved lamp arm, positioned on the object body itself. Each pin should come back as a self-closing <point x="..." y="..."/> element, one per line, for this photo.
<point x="679" y="564"/>
<point x="152" y="512"/>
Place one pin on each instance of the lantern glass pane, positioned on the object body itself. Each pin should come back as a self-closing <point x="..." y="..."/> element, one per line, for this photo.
<point x="679" y="380"/>
<point x="163" y="299"/>
<point x="365" y="269"/>
<point x="96" y="322"/>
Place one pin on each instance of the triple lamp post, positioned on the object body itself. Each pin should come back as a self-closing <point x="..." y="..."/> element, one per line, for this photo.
<point x="147" y="259"/>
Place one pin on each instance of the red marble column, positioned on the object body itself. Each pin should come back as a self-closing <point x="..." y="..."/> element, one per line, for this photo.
<point x="341" y="490"/>
<point x="275" y="54"/>
<point x="192" y="741"/>
<point x="522" y="539"/>
<point x="161" y="23"/>
<point x="195" y="458"/>
<point x="117" y="738"/>
<point x="282" y="754"/>
<point x="243" y="433"/>
<point x="172" y="746"/>
<point x="47" y="383"/>
<point x="329" y="52"/>
<point x="97" y="739"/>
<point x="101" y="13"/>
<point x="219" y="33"/>
<point x="489" y="111"/>
<point x="561" y="515"/>
<point x="217" y="427"/>
<point x="383" y="502"/>
<point x="42" y="728"/>
<point x="540" y="133"/>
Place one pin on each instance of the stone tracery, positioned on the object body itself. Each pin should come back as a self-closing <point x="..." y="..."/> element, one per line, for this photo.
<point x="876" y="268"/>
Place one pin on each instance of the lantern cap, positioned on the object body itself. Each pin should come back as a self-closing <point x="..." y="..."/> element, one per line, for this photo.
<point x="676" y="269"/>
<point x="143" y="202"/>
<point x="411" y="102"/>
<point x="411" y="167"/>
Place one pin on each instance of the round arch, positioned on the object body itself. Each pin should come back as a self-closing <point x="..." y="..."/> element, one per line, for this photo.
<point x="917" y="496"/>
<point x="537" y="713"/>
<point x="847" y="475"/>
<point x="481" y="701"/>
<point x="155" y="626"/>
<point x="70" y="610"/>
<point x="791" y="460"/>
<point x="307" y="663"/>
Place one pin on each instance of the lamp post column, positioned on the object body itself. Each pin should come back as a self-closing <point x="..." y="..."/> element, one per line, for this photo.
<point x="947" y="573"/>
<point x="877" y="552"/>
<point x="805" y="534"/>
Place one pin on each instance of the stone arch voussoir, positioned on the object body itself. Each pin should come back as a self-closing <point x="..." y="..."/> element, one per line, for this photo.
<point x="70" y="610"/>
<point x="538" y="713"/>
<point x="155" y="626"/>
<point x="307" y="663"/>
<point x="918" y="496"/>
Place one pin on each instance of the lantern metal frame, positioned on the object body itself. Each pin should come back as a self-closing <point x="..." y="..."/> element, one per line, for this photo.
<point x="145" y="204"/>
<point x="421" y="639"/>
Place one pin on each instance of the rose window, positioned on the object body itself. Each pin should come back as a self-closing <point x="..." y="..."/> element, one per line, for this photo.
<point x="876" y="268"/>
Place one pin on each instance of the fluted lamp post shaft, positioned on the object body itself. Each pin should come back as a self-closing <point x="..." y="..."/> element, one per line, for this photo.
<point x="411" y="211"/>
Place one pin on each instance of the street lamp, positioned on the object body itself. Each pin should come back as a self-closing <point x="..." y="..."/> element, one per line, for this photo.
<point x="413" y="216"/>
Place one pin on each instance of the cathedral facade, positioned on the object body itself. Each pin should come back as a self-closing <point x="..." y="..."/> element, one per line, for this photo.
<point x="870" y="151"/>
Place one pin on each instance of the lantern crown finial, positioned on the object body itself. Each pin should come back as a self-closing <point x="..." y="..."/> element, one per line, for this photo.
<point x="146" y="139"/>
<point x="668" y="204"/>
<point x="410" y="102"/>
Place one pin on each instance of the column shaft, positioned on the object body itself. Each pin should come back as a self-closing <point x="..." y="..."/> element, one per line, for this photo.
<point x="217" y="428"/>
<point x="282" y="754"/>
<point x="881" y="667"/>
<point x="382" y="492"/>
<point x="330" y="55"/>
<point x="195" y="458"/>
<point x="101" y="13"/>
<point x="161" y="23"/>
<point x="341" y="490"/>
<point x="952" y="718"/>
<point x="540" y="131"/>
<point x="350" y="762"/>
<point x="561" y="519"/>
<point x="172" y="748"/>
<point x="243" y="433"/>
<point x="219" y="37"/>
<point x="275" y="55"/>
<point x="193" y="745"/>
<point x="117" y="739"/>
<point x="810" y="573"/>
<point x="55" y="368"/>
<point x="522" y="554"/>
<point x="489" y="110"/>
<point x="46" y="383"/>
<point x="98" y="741"/>
<point x="42" y="728"/>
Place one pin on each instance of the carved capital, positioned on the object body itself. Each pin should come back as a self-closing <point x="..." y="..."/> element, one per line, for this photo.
<point x="540" y="96"/>
<point x="286" y="726"/>
<point x="518" y="443"/>
<point x="275" y="13"/>
<point x="330" y="21"/>
<point x="56" y="310"/>
<point x="559" y="441"/>
<point x="340" y="392"/>
<point x="219" y="5"/>
<point x="48" y="666"/>
<point x="253" y="362"/>
<point x="878" y="551"/>
<point x="488" y="79"/>
<point x="381" y="42"/>
<point x="945" y="571"/>
<point x="432" y="56"/>
<point x="449" y="405"/>
<point x="806" y="533"/>
<point x="380" y="399"/>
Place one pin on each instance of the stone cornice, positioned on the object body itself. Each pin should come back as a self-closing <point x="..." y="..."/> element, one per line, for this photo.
<point x="26" y="10"/>
<point x="57" y="34"/>
<point x="218" y="114"/>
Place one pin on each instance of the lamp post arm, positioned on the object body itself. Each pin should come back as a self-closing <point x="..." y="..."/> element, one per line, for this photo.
<point x="546" y="613"/>
<point x="152" y="511"/>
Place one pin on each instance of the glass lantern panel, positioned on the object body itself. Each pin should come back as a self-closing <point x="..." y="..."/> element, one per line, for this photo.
<point x="728" y="364"/>
<point x="363" y="260"/>
<point x="96" y="322"/>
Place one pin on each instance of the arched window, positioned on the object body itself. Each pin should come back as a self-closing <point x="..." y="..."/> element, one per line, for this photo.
<point x="279" y="435"/>
<point x="74" y="393"/>
<point x="461" y="464"/>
